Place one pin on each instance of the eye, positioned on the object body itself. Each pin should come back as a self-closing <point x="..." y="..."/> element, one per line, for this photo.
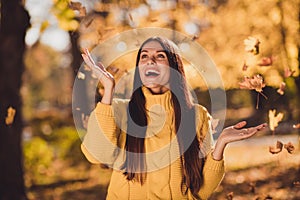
<point x="144" y="56"/>
<point x="161" y="56"/>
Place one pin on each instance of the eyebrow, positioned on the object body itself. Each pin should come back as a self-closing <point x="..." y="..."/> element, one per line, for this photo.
<point x="145" y="50"/>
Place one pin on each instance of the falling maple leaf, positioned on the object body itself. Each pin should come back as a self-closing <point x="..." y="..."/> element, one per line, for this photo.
<point x="195" y="37"/>
<point x="113" y="69"/>
<point x="81" y="75"/>
<point x="281" y="88"/>
<point x="277" y="148"/>
<point x="10" y="116"/>
<point x="288" y="72"/>
<point x="252" y="186"/>
<point x="252" y="45"/>
<point x="130" y="17"/>
<point x="153" y="20"/>
<point x="297" y="126"/>
<point x="296" y="183"/>
<point x="88" y="22"/>
<point x="229" y="196"/>
<point x="78" y="7"/>
<point x="266" y="61"/>
<point x="245" y="66"/>
<point x="274" y="119"/>
<point x="84" y="119"/>
<point x="255" y="83"/>
<point x="214" y="124"/>
<point x="289" y="147"/>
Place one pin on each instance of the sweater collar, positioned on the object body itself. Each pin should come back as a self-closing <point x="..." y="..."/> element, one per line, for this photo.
<point x="163" y="100"/>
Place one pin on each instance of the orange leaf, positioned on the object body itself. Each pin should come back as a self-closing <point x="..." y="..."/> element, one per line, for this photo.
<point x="153" y="20"/>
<point x="229" y="196"/>
<point x="276" y="149"/>
<point x="266" y="61"/>
<point x="130" y="17"/>
<point x="281" y="88"/>
<point x="297" y="126"/>
<point x="113" y="69"/>
<point x="214" y="124"/>
<point x="10" y="115"/>
<point x="255" y="83"/>
<point x="245" y="66"/>
<point x="288" y="72"/>
<point x="296" y="183"/>
<point x="78" y="6"/>
<point x="195" y="37"/>
<point x="289" y="147"/>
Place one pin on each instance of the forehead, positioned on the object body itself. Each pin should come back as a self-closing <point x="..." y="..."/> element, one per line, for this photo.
<point x="152" y="45"/>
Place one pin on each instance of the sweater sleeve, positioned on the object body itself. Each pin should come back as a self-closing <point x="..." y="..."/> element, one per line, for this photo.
<point x="100" y="144"/>
<point x="213" y="173"/>
<point x="213" y="170"/>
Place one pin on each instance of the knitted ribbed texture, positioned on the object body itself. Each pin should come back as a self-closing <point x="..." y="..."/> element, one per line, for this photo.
<point x="105" y="141"/>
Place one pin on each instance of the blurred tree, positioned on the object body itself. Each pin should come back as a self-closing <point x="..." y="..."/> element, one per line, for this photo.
<point x="64" y="10"/>
<point x="14" y="23"/>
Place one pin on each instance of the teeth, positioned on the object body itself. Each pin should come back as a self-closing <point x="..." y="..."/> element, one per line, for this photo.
<point x="152" y="72"/>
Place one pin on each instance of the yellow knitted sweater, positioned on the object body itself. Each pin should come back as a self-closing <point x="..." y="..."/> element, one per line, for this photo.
<point x="105" y="143"/>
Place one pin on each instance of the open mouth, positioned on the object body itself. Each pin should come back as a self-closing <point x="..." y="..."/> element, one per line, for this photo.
<point x="152" y="72"/>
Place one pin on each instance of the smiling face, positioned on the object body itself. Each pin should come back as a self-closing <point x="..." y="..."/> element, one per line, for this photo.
<point x="154" y="68"/>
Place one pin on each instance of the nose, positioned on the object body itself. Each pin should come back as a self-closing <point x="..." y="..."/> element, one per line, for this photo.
<point x="151" y="61"/>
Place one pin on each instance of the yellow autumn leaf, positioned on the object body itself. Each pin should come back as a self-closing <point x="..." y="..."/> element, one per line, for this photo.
<point x="274" y="119"/>
<point x="81" y="75"/>
<point x="252" y="45"/>
<point x="10" y="115"/>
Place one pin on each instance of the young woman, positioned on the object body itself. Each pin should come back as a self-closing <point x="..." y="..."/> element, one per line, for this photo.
<point x="159" y="143"/>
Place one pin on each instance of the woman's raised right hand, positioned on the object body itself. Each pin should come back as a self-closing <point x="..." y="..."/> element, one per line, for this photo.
<point x="106" y="79"/>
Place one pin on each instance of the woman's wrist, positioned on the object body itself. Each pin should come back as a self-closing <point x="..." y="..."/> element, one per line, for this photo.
<point x="107" y="96"/>
<point x="219" y="150"/>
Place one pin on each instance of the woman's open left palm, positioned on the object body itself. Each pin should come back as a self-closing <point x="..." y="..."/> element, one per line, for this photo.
<point x="237" y="132"/>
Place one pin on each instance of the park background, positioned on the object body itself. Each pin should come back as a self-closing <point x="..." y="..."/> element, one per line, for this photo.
<point x="40" y="47"/>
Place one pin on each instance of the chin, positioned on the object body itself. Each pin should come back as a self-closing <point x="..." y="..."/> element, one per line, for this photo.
<point x="156" y="88"/>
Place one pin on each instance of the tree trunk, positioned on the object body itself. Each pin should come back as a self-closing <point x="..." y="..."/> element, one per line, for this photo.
<point x="80" y="100"/>
<point x="13" y="25"/>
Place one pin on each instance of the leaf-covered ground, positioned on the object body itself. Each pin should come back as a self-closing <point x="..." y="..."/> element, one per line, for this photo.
<point x="252" y="172"/>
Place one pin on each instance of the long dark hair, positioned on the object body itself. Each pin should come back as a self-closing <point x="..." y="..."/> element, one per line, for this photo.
<point x="192" y="159"/>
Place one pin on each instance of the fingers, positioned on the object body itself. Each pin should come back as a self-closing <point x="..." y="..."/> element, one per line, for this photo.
<point x="240" y="125"/>
<point x="253" y="130"/>
<point x="87" y="57"/>
<point x="101" y="66"/>
<point x="98" y="69"/>
<point x="261" y="126"/>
